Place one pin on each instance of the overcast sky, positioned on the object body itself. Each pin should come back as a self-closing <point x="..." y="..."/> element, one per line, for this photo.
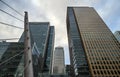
<point x="54" y="11"/>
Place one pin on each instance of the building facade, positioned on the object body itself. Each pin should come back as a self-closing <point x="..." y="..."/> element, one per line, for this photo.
<point x="42" y="44"/>
<point x="79" y="65"/>
<point x="94" y="51"/>
<point x="10" y="56"/>
<point x="68" y="70"/>
<point x="117" y="35"/>
<point x="58" y="67"/>
<point x="49" y="51"/>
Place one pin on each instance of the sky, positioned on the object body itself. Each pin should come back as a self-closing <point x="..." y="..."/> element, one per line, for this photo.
<point x="54" y="11"/>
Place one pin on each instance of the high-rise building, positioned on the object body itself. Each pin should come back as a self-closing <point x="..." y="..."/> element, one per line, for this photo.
<point x="10" y="57"/>
<point x="42" y="44"/>
<point x="117" y="35"/>
<point x="58" y="65"/>
<point x="39" y="32"/>
<point x="49" y="51"/>
<point x="94" y="51"/>
<point x="42" y="40"/>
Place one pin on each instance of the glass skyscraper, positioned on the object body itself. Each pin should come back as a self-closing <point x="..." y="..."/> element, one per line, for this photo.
<point x="10" y="57"/>
<point x="94" y="51"/>
<point x="42" y="44"/>
<point x="117" y="35"/>
<point x="49" y="51"/>
<point x="77" y="54"/>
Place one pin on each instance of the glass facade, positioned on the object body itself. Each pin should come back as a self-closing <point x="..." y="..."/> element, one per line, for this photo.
<point x="77" y="54"/>
<point x="42" y="43"/>
<point x="10" y="57"/>
<point x="68" y="70"/>
<point x="36" y="61"/>
<point x="39" y="34"/>
<point x="117" y="35"/>
<point x="49" y="51"/>
<point x="100" y="46"/>
<point x="39" y="37"/>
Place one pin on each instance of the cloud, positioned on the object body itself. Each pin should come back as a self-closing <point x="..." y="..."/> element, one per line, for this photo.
<point x="54" y="11"/>
<point x="88" y="3"/>
<point x="56" y="14"/>
<point x="9" y="32"/>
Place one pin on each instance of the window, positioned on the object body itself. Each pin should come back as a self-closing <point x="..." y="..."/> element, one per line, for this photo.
<point x="94" y="72"/>
<point x="102" y="67"/>
<point x="101" y="72"/>
<point x="105" y="72"/>
<point x="115" y="72"/>
<point x="99" y="67"/>
<point x="98" y="72"/>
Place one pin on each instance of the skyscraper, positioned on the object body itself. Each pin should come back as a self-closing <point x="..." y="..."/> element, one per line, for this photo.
<point x="58" y="67"/>
<point x="42" y="41"/>
<point x="94" y="51"/>
<point x="49" y="51"/>
<point x="42" y="44"/>
<point x="117" y="35"/>
<point x="10" y="57"/>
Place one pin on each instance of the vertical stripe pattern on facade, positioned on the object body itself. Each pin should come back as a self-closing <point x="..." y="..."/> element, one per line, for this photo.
<point x="101" y="47"/>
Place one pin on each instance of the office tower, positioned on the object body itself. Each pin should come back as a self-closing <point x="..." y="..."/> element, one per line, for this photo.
<point x="58" y="67"/>
<point x="39" y="32"/>
<point x="94" y="51"/>
<point x="10" y="57"/>
<point x="79" y="65"/>
<point x="117" y="35"/>
<point x="49" y="51"/>
<point x="42" y="44"/>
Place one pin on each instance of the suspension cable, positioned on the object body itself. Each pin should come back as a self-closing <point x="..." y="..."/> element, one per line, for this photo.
<point x="11" y="15"/>
<point x="11" y="7"/>
<point x="10" y="25"/>
<point x="11" y="58"/>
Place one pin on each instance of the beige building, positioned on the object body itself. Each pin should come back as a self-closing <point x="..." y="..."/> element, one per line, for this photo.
<point x="58" y="67"/>
<point x="100" y="47"/>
